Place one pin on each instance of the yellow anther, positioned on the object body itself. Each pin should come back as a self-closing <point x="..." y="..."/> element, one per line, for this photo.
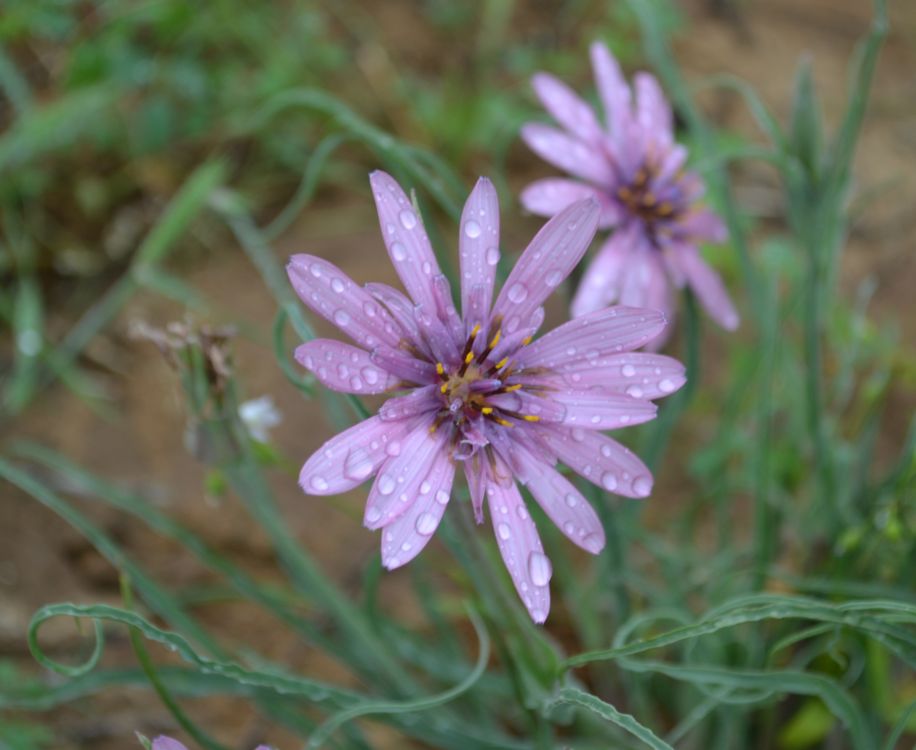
<point x="495" y="339"/>
<point x="443" y="388"/>
<point x="624" y="194"/>
<point x="648" y="199"/>
<point x="475" y="330"/>
<point x="486" y="410"/>
<point x="502" y="363"/>
<point x="439" y="368"/>
<point x="511" y="388"/>
<point x="526" y="340"/>
<point x="503" y="422"/>
<point x="641" y="176"/>
<point x="468" y="358"/>
<point x="664" y="208"/>
<point x="531" y="417"/>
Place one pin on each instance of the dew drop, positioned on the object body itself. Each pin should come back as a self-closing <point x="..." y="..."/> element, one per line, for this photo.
<point x="426" y="524"/>
<point x="593" y="543"/>
<point x="538" y="615"/>
<point x="609" y="481"/>
<point x="539" y="568"/>
<point x="369" y="309"/>
<point x="666" y="386"/>
<point x="635" y="391"/>
<point x="503" y="531"/>
<point x="512" y="324"/>
<point x="442" y="497"/>
<point x="319" y="483"/>
<point x="371" y="375"/>
<point x="425" y="488"/>
<point x="642" y="486"/>
<point x="553" y="278"/>
<point x="518" y="293"/>
<point x="472" y="229"/>
<point x="393" y="448"/>
<point x="356" y="383"/>
<point x="578" y="434"/>
<point x="408" y="219"/>
<point x="569" y="527"/>
<point x="596" y="419"/>
<point x="493" y="256"/>
<point x="386" y="484"/>
<point x="606" y="450"/>
<point x="316" y="270"/>
<point x="358" y="464"/>
<point x="628" y="371"/>
<point x="522" y="512"/>
<point x="341" y="317"/>
<point x="398" y="251"/>
<point x="337" y="285"/>
<point x="571" y="500"/>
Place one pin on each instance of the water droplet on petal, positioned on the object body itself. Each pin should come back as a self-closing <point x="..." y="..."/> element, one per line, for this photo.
<point x="634" y="391"/>
<point x="358" y="464"/>
<point x="356" y="383"/>
<point x="538" y="615"/>
<point x="539" y="568"/>
<point x="642" y="486"/>
<point x="371" y="375"/>
<point x="425" y="487"/>
<point x="369" y="309"/>
<point x="553" y="278"/>
<point x="578" y="434"/>
<point x="493" y="256"/>
<point x="442" y="497"/>
<point x="596" y="419"/>
<point x="522" y="512"/>
<point x="393" y="448"/>
<point x="408" y="219"/>
<point x="503" y="531"/>
<point x="337" y="285"/>
<point x="518" y="293"/>
<point x="571" y="500"/>
<point x="373" y="514"/>
<point x="609" y="481"/>
<point x="606" y="450"/>
<point x="593" y="543"/>
<point x="472" y="229"/>
<point x="316" y="270"/>
<point x="386" y="484"/>
<point x="426" y="524"/>
<point x="666" y="386"/>
<point x="319" y="483"/>
<point x="341" y="317"/>
<point x="398" y="251"/>
<point x="628" y="371"/>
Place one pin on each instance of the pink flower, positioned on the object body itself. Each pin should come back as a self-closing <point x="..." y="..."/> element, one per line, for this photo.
<point x="167" y="743"/>
<point x="475" y="391"/>
<point x="635" y="170"/>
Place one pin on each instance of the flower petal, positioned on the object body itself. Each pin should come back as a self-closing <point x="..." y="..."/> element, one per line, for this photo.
<point x="594" y="410"/>
<point x="333" y="295"/>
<point x="601" y="460"/>
<point x="405" y="537"/>
<point x="561" y="501"/>
<point x="399" y="479"/>
<point x="635" y="374"/>
<point x="702" y="224"/>
<point x="418" y="401"/>
<point x="398" y="306"/>
<point x="551" y="195"/>
<point x="708" y="287"/>
<point x="568" y="153"/>
<point x="601" y="280"/>
<point x="475" y="471"/>
<point x="520" y="547"/>
<point x="167" y="743"/>
<point x="567" y="108"/>
<point x="652" y="108"/>
<point x="407" y="368"/>
<point x="645" y="282"/>
<point x="478" y="250"/>
<point x="351" y="457"/>
<point x="612" y="89"/>
<point x="405" y="238"/>
<point x="548" y="259"/>
<point x="608" y="331"/>
<point x="344" y="368"/>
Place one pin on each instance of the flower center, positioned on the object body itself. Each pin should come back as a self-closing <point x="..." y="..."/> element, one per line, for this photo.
<point x="640" y="201"/>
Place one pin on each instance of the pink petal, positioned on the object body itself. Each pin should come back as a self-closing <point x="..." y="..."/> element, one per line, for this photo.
<point x="568" y="153"/>
<point x="344" y="368"/>
<point x="551" y="195"/>
<point x="601" y="460"/>
<point x="333" y="295"/>
<point x="405" y="537"/>
<point x="478" y="248"/>
<point x="350" y="458"/>
<point x="475" y="471"/>
<point x="405" y="238"/>
<point x="562" y="502"/>
<point x="608" y="331"/>
<point x="703" y="225"/>
<point x="520" y="547"/>
<point x="399" y="479"/>
<point x="600" y="283"/>
<point x="644" y="282"/>
<point x="612" y="88"/>
<point x="635" y="374"/>
<point x="167" y="743"/>
<point x="567" y="108"/>
<point x="548" y="259"/>
<point x="418" y="401"/>
<point x="520" y="402"/>
<point x="398" y="306"/>
<point x="709" y="288"/>
<point x="594" y="410"/>
<point x="402" y="365"/>
<point x="652" y="109"/>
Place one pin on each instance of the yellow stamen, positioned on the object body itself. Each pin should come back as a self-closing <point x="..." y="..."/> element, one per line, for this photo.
<point x="495" y="340"/>
<point x="503" y="422"/>
<point x="648" y="199"/>
<point x="526" y="340"/>
<point x="468" y="357"/>
<point x="502" y="363"/>
<point x="511" y="388"/>
<point x="624" y="194"/>
<point x="475" y="330"/>
<point x="664" y="208"/>
<point x="486" y="410"/>
<point x="531" y="418"/>
<point x="443" y="388"/>
<point x="440" y="370"/>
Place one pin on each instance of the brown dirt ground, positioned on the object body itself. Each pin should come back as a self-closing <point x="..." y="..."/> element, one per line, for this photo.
<point x="43" y="560"/>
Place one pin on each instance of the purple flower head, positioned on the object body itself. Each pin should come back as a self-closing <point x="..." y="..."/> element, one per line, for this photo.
<point x="635" y="170"/>
<point x="474" y="390"/>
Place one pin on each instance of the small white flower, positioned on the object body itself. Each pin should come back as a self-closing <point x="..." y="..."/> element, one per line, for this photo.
<point x="260" y="415"/>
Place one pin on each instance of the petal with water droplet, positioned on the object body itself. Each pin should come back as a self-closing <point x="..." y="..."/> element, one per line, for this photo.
<point x="568" y="153"/>
<point x="567" y="108"/>
<point x="335" y="363"/>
